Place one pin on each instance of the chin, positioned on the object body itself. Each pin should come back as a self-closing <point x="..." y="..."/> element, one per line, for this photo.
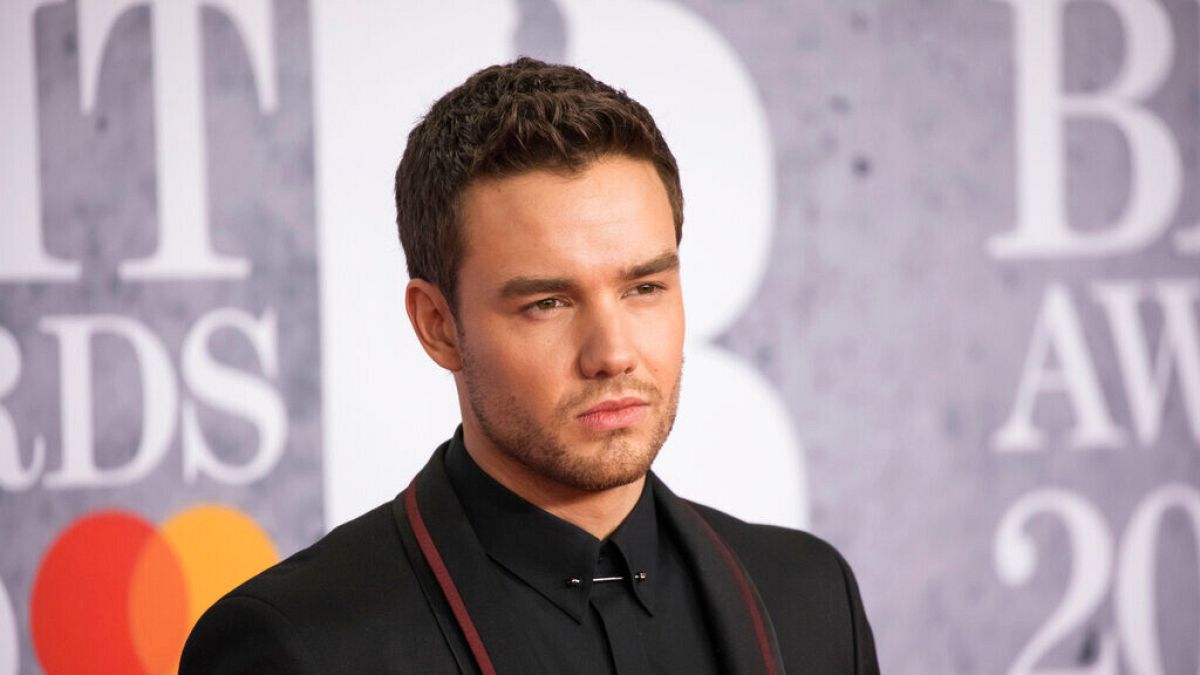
<point x="600" y="482"/>
<point x="621" y="460"/>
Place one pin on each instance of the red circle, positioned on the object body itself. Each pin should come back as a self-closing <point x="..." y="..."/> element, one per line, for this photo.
<point x="80" y="603"/>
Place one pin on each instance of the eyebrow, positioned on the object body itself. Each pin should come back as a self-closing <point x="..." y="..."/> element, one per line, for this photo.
<point x="663" y="263"/>
<point x="521" y="286"/>
<point x="524" y="286"/>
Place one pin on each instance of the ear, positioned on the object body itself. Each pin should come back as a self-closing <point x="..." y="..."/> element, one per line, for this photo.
<point x="433" y="323"/>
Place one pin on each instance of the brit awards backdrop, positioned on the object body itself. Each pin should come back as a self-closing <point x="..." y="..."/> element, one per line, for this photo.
<point x="941" y="264"/>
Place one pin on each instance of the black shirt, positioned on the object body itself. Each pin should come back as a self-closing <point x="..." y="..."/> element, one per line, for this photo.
<point x="639" y="624"/>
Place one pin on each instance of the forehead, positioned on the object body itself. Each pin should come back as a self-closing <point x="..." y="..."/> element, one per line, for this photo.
<point x="611" y="215"/>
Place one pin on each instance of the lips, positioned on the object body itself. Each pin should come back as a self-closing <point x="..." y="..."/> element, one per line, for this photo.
<point x="614" y="414"/>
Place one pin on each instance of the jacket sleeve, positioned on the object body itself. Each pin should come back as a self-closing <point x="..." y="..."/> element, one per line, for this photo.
<point x="243" y="634"/>
<point x="865" y="660"/>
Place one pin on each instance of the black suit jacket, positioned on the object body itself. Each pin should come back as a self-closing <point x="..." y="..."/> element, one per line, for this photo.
<point x="368" y="597"/>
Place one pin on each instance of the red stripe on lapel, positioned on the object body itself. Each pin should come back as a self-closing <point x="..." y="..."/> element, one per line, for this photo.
<point x="743" y="584"/>
<point x="429" y="550"/>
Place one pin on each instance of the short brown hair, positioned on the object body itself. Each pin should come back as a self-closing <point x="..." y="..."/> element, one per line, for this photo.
<point x="505" y="120"/>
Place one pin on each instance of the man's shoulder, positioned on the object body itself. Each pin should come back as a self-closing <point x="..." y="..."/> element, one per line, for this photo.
<point x="347" y="560"/>
<point x="809" y="590"/>
<point x="346" y="597"/>
<point x="771" y="548"/>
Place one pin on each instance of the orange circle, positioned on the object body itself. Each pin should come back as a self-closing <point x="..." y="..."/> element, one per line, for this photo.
<point x="219" y="548"/>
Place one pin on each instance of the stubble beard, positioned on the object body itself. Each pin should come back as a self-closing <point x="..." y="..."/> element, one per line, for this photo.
<point x="619" y="461"/>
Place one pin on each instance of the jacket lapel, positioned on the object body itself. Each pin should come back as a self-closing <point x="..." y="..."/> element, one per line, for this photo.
<point x="473" y="576"/>
<point x="745" y="638"/>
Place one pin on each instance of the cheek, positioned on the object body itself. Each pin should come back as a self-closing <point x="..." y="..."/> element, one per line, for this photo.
<point x="662" y="344"/>
<point x="529" y="364"/>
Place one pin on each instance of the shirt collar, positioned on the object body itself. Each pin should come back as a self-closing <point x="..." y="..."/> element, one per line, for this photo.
<point x="545" y="551"/>
<point x="637" y="539"/>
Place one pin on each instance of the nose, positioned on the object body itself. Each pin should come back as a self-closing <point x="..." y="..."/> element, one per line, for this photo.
<point x="607" y="348"/>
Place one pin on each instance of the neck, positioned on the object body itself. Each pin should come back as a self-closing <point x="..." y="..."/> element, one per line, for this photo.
<point x="596" y="512"/>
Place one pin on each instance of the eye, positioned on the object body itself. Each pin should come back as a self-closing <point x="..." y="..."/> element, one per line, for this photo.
<point x="646" y="289"/>
<point x="547" y="304"/>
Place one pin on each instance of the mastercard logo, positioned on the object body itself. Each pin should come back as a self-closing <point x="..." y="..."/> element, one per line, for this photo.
<point x="116" y="594"/>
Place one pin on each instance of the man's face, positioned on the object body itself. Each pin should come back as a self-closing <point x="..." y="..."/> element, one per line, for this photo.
<point x="570" y="321"/>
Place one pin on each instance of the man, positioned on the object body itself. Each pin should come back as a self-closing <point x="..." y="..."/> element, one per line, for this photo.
<point x="540" y="212"/>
